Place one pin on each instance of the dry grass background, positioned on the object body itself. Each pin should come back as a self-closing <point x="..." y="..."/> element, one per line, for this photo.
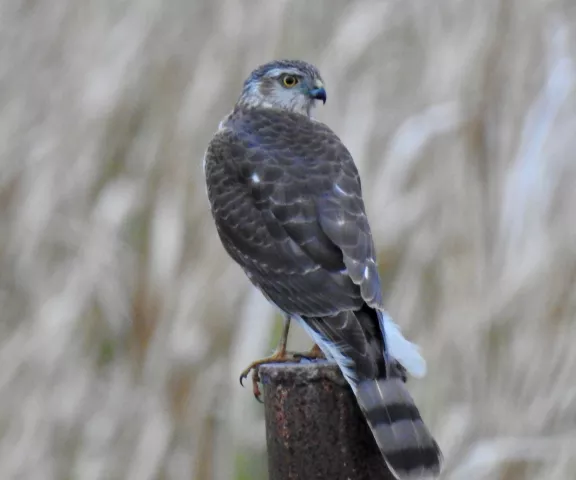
<point x="124" y="325"/>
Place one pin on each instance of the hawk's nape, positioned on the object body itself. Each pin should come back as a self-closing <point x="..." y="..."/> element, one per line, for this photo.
<point x="287" y="202"/>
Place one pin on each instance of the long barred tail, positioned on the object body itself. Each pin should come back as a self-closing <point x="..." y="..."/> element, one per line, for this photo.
<point x="355" y="340"/>
<point x="408" y="447"/>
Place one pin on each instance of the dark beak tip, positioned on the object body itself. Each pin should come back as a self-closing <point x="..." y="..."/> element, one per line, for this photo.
<point x="319" y="94"/>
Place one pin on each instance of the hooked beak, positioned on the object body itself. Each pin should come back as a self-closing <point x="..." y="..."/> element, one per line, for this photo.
<point x="318" y="93"/>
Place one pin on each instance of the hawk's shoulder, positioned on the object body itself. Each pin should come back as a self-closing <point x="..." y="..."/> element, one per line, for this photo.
<point x="290" y="182"/>
<point x="302" y="147"/>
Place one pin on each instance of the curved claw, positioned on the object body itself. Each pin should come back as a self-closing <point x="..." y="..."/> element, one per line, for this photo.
<point x="244" y="374"/>
<point x="255" y="387"/>
<point x="258" y="396"/>
<point x="255" y="380"/>
<point x="279" y="356"/>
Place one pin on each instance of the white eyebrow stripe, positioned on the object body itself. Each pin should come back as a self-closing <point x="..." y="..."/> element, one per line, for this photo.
<point x="276" y="72"/>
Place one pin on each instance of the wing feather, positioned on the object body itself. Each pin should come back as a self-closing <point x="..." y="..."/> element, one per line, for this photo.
<point x="287" y="202"/>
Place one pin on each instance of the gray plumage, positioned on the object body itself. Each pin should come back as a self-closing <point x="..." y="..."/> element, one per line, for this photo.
<point x="286" y="198"/>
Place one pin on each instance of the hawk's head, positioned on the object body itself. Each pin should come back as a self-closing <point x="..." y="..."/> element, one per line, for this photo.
<point x="289" y="84"/>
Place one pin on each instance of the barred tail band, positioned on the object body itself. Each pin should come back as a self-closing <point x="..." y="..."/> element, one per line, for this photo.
<point x="408" y="447"/>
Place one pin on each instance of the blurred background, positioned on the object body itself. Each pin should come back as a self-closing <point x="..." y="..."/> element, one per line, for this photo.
<point x="124" y="325"/>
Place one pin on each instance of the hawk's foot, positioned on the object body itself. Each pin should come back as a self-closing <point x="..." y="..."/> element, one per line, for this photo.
<point x="280" y="356"/>
<point x="314" y="354"/>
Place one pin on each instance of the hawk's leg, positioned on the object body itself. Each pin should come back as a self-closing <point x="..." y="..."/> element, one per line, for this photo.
<point x="279" y="356"/>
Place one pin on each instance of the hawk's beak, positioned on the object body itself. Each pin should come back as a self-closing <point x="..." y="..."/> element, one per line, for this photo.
<point x="318" y="93"/>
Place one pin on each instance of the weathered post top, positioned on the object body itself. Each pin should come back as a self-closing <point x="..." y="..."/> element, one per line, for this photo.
<point x="314" y="427"/>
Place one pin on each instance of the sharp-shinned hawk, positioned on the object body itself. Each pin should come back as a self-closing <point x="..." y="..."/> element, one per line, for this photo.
<point x="286" y="198"/>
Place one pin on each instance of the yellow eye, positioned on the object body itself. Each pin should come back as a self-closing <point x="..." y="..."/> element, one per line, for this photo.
<point x="289" y="81"/>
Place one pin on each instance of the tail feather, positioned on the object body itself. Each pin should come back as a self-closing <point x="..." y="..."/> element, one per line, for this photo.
<point x="355" y="340"/>
<point x="399" y="348"/>
<point x="408" y="447"/>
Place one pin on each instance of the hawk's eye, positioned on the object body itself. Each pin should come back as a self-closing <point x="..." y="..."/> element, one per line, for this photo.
<point x="289" y="81"/>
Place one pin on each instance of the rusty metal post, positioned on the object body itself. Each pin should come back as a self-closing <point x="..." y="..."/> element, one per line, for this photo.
<point x="314" y="428"/>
